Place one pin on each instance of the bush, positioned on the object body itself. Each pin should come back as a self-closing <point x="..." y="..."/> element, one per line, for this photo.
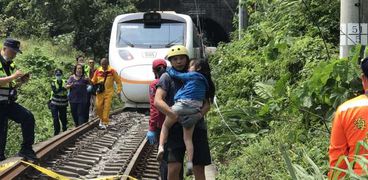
<point x="277" y="86"/>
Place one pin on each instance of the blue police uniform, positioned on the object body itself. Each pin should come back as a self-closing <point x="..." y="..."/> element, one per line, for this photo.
<point x="9" y="109"/>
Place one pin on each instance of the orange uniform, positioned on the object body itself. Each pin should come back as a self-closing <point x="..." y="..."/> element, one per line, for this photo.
<point x="103" y="100"/>
<point x="349" y="127"/>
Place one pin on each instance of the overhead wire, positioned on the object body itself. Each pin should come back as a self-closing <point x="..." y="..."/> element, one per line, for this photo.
<point x="347" y="36"/>
<point x="229" y="7"/>
<point x="199" y="28"/>
<point x="223" y="120"/>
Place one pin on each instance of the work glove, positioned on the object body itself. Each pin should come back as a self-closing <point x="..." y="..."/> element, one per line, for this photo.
<point x="151" y="137"/>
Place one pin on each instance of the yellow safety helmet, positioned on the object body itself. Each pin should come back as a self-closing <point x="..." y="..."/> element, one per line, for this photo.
<point x="177" y="50"/>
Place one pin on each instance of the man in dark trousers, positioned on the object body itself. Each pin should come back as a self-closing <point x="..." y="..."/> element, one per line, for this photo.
<point x="10" y="78"/>
<point x="175" y="147"/>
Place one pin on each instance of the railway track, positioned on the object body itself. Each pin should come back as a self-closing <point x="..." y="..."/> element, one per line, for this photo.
<point x="87" y="152"/>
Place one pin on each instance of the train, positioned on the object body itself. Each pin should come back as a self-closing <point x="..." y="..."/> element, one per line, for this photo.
<point x="139" y="38"/>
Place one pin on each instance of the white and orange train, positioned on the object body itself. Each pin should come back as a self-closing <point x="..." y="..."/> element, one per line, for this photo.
<point x="139" y="38"/>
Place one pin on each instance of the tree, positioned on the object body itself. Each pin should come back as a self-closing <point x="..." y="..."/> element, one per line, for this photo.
<point x="89" y="21"/>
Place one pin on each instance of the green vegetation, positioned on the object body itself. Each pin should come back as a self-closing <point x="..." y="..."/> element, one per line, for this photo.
<point x="41" y="58"/>
<point x="53" y="33"/>
<point x="86" y="22"/>
<point x="278" y="89"/>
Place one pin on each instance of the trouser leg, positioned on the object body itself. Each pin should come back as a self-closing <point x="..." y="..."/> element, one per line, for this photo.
<point x="88" y="104"/>
<point x="3" y="129"/>
<point x="63" y="116"/>
<point x="55" y="117"/>
<point x="163" y="164"/>
<point x="106" y="108"/>
<point x="74" y="111"/>
<point x="99" y="105"/>
<point x="81" y="113"/>
<point x="23" y="116"/>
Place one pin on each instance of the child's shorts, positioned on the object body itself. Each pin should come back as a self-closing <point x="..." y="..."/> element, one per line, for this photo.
<point x="188" y="115"/>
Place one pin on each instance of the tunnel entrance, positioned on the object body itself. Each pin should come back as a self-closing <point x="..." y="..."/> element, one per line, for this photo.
<point x="213" y="32"/>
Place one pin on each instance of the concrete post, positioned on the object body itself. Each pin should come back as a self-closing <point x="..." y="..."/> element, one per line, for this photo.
<point x="243" y="18"/>
<point x="353" y="25"/>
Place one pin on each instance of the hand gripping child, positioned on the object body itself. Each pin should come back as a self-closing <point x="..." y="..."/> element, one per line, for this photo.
<point x="188" y="102"/>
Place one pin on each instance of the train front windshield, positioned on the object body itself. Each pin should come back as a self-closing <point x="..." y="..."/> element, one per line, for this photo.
<point x="163" y="36"/>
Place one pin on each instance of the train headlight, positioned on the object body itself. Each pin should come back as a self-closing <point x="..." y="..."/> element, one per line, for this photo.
<point x="125" y="55"/>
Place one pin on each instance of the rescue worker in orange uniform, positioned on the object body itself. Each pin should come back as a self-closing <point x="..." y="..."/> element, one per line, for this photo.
<point x="348" y="128"/>
<point x="103" y="79"/>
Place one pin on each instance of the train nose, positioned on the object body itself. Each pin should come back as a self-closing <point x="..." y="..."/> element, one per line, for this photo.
<point x="136" y="80"/>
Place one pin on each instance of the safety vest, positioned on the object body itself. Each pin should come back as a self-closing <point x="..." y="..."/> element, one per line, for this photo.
<point x="87" y="70"/>
<point x="6" y="88"/>
<point x="60" y="98"/>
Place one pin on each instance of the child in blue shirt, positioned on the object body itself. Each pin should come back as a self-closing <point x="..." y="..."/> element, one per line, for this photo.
<point x="188" y="102"/>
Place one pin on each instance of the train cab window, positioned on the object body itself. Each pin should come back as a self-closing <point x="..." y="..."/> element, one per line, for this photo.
<point x="135" y="34"/>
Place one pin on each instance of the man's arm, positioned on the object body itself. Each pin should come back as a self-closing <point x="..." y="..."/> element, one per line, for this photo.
<point x="94" y="78"/>
<point x="69" y="83"/>
<point x="53" y="87"/>
<point x="338" y="143"/>
<point x="154" y="112"/>
<point x="117" y="81"/>
<point x="8" y="79"/>
<point x="161" y="104"/>
<point x="206" y="107"/>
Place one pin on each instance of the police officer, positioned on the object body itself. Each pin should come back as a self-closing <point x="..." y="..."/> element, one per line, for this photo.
<point x="59" y="101"/>
<point x="9" y="109"/>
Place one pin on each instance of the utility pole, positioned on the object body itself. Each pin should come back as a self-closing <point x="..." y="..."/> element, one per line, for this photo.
<point x="243" y="18"/>
<point x="353" y="25"/>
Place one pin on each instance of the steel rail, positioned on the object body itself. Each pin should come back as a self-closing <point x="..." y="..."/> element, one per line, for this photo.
<point x="44" y="149"/>
<point x="135" y="160"/>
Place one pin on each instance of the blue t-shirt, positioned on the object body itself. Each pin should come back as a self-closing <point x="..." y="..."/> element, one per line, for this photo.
<point x="78" y="91"/>
<point x="195" y="85"/>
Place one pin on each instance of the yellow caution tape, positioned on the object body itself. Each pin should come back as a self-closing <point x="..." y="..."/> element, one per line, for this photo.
<point x="56" y="175"/>
<point x="115" y="177"/>
<point x="6" y="165"/>
<point x="47" y="172"/>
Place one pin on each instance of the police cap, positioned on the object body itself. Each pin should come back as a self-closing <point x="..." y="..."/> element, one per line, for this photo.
<point x="13" y="44"/>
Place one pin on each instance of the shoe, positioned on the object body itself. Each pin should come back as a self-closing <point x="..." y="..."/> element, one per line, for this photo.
<point x="28" y="154"/>
<point x="189" y="169"/>
<point x="101" y="126"/>
<point x="160" y="153"/>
